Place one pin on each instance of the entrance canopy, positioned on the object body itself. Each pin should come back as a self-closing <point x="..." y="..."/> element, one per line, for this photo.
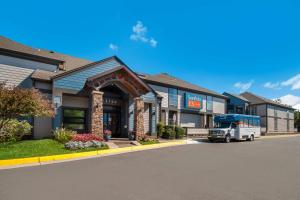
<point x="121" y="76"/>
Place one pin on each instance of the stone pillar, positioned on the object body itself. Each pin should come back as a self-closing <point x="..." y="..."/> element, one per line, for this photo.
<point x="138" y="117"/>
<point x="97" y="113"/>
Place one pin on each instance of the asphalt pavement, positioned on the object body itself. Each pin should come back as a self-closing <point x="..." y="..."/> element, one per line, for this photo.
<point x="263" y="169"/>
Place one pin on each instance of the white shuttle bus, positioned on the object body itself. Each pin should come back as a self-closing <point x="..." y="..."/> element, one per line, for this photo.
<point x="235" y="127"/>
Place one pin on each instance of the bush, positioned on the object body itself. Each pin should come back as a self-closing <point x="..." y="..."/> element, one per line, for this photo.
<point x="169" y="132"/>
<point x="146" y="139"/>
<point x="86" y="137"/>
<point x="14" y="130"/>
<point x="63" y="135"/>
<point x="160" y="129"/>
<point x="180" y="132"/>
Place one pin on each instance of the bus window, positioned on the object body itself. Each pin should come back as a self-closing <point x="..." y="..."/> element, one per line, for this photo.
<point x="245" y="123"/>
<point x="251" y="124"/>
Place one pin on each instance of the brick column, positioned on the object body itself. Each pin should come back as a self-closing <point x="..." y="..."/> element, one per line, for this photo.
<point x="138" y="117"/>
<point x="97" y="113"/>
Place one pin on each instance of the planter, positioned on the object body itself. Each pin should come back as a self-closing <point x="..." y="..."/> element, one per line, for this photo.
<point x="107" y="137"/>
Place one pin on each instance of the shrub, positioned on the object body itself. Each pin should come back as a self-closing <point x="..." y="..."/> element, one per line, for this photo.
<point x="63" y="135"/>
<point x="15" y="130"/>
<point x="169" y="132"/>
<point x="147" y="138"/>
<point x="160" y="129"/>
<point x="86" y="137"/>
<point x="180" y="132"/>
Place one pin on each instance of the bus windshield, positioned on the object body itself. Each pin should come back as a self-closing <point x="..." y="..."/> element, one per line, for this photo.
<point x="222" y="125"/>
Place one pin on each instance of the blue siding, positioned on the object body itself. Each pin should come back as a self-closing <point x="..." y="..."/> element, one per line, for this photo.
<point x="76" y="80"/>
<point x="149" y="97"/>
<point x="57" y="121"/>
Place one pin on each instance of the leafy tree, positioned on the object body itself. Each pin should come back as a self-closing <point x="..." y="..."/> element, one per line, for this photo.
<point x="17" y="102"/>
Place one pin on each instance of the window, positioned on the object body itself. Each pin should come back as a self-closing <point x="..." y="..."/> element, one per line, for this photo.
<point x="172" y="118"/>
<point x="254" y="110"/>
<point x="74" y="119"/>
<point x="173" y="100"/>
<point x="209" y="103"/>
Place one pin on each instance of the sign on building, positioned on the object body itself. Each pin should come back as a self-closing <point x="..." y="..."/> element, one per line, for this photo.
<point x="193" y="101"/>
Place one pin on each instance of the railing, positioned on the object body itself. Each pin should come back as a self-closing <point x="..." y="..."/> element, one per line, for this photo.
<point x="197" y="131"/>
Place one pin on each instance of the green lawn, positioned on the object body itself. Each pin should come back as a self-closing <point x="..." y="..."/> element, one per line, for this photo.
<point x="148" y="142"/>
<point x="32" y="148"/>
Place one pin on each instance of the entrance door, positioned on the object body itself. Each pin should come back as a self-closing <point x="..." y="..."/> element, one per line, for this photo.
<point x="112" y="122"/>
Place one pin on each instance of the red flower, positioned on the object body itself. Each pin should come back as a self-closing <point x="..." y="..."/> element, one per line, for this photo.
<point x="86" y="137"/>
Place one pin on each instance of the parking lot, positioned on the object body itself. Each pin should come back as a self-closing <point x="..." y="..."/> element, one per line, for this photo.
<point x="263" y="169"/>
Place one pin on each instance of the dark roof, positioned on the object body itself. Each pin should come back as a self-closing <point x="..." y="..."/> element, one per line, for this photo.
<point x="236" y="96"/>
<point x="166" y="79"/>
<point x="256" y="99"/>
<point x="69" y="62"/>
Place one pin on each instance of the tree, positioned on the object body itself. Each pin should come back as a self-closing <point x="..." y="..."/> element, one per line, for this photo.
<point x="297" y="119"/>
<point x="17" y="102"/>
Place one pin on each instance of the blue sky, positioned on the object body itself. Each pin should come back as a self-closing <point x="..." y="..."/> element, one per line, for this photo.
<point x="221" y="45"/>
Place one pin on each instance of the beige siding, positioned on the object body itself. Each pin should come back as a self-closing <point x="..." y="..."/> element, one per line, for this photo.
<point x="146" y="118"/>
<point x="270" y="111"/>
<point x="42" y="127"/>
<point x="162" y="91"/>
<point x="15" y="76"/>
<point x="271" y="124"/>
<point x="282" y="125"/>
<point x="261" y="110"/>
<point x="73" y="101"/>
<point x="218" y="105"/>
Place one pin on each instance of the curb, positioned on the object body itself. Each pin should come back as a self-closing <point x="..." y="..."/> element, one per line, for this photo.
<point x="4" y="164"/>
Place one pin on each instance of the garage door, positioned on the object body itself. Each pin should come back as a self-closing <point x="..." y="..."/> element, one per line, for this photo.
<point x="190" y="120"/>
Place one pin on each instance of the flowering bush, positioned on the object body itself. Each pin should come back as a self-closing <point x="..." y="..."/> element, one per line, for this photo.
<point x="74" y="145"/>
<point x="86" y="137"/>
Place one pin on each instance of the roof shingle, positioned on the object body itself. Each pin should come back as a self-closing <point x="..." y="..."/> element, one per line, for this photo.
<point x="166" y="79"/>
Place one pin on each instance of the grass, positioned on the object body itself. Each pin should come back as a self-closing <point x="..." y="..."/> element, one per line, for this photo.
<point x="148" y="142"/>
<point x="32" y="148"/>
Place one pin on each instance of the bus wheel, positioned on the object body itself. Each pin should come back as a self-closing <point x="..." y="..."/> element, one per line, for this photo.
<point x="227" y="139"/>
<point x="252" y="138"/>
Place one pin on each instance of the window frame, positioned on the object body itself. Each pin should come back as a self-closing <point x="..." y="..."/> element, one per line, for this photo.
<point x="172" y="95"/>
<point x="85" y="118"/>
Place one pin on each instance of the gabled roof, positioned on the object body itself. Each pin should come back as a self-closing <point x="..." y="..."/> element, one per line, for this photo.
<point x="88" y="65"/>
<point x="256" y="99"/>
<point x="236" y="96"/>
<point x="168" y="80"/>
<point x="14" y="48"/>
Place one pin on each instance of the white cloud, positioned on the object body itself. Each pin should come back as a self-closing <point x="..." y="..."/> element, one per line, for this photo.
<point x="294" y="82"/>
<point x="243" y="86"/>
<point x="272" y="85"/>
<point x="140" y="34"/>
<point x="113" y="47"/>
<point x="291" y="100"/>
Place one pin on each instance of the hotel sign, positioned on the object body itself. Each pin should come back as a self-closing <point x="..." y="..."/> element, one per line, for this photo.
<point x="193" y="101"/>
